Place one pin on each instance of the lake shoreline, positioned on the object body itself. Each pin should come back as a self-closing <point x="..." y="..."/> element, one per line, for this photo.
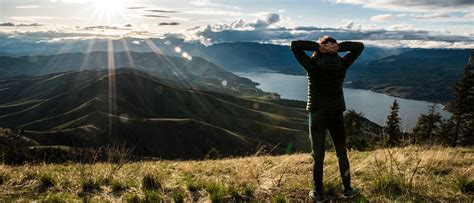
<point x="390" y="90"/>
<point x="374" y="105"/>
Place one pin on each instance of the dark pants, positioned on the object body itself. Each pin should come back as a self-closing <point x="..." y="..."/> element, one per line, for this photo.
<point x="319" y="122"/>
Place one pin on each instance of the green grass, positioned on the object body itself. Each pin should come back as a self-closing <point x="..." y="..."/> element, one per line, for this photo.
<point x="416" y="174"/>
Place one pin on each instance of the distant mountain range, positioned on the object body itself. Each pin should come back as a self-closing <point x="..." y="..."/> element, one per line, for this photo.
<point x="423" y="74"/>
<point x="197" y="73"/>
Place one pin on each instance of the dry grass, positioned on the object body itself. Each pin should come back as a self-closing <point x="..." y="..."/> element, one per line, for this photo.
<point x="405" y="174"/>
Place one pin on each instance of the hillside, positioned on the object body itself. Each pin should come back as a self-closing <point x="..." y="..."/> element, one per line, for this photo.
<point x="79" y="109"/>
<point x="420" y="74"/>
<point x="397" y="174"/>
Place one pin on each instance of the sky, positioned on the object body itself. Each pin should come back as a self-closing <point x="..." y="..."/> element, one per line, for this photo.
<point x="385" y="23"/>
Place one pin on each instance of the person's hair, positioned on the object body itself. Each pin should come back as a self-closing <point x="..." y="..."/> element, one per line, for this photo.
<point x="326" y="38"/>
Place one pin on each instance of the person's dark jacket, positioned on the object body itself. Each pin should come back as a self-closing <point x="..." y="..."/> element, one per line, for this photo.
<point x="326" y="73"/>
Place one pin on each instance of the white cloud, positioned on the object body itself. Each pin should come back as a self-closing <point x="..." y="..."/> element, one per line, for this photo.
<point x="401" y="26"/>
<point x="268" y="30"/>
<point x="464" y="6"/>
<point x="203" y="3"/>
<point x="432" y="16"/>
<point x="31" y="18"/>
<point x="383" y="17"/>
<point x="27" y="6"/>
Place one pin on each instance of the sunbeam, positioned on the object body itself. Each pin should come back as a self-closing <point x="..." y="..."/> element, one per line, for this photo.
<point x="111" y="69"/>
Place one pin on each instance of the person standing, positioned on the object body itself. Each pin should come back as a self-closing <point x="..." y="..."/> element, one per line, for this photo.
<point x="326" y="71"/>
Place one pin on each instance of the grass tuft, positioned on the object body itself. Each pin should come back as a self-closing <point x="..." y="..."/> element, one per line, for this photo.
<point x="465" y="185"/>
<point x="193" y="186"/>
<point x="179" y="196"/>
<point x="46" y="182"/>
<point x="3" y="178"/>
<point x="216" y="192"/>
<point x="278" y="198"/>
<point x="90" y="185"/>
<point x="117" y="187"/>
<point x="150" y="182"/>
<point x="151" y="197"/>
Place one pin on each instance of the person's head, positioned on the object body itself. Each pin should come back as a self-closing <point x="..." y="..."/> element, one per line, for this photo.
<point x="326" y="39"/>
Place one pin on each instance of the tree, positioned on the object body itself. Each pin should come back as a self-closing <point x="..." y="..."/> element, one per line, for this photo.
<point x="355" y="136"/>
<point x="427" y="125"/>
<point x="391" y="131"/>
<point x="446" y="131"/>
<point x="463" y="106"/>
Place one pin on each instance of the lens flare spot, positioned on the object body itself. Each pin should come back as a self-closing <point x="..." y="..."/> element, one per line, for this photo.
<point x="185" y="55"/>
<point x="177" y="49"/>
<point x="224" y="83"/>
<point x="124" y="118"/>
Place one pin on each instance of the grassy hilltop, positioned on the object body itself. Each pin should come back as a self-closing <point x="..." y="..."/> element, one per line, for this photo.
<point x="409" y="173"/>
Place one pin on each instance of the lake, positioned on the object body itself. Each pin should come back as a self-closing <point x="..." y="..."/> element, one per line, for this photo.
<point x="375" y="106"/>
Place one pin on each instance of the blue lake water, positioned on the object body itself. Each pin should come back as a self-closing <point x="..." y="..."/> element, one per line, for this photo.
<point x="375" y="106"/>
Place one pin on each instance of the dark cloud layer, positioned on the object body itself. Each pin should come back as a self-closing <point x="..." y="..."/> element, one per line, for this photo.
<point x="10" y="24"/>
<point x="161" y="11"/>
<point x="155" y="16"/>
<point x="168" y="23"/>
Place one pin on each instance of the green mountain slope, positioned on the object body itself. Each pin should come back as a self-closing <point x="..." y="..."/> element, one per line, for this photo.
<point x="156" y="118"/>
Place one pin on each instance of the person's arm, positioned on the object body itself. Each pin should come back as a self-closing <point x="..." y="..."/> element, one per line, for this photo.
<point x="354" y="49"/>
<point x="298" y="47"/>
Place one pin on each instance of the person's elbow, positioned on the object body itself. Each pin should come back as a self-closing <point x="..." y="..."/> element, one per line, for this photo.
<point x="293" y="44"/>
<point x="361" y="45"/>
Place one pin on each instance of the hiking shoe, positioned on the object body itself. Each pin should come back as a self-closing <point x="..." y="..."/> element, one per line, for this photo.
<point x="317" y="196"/>
<point x="351" y="192"/>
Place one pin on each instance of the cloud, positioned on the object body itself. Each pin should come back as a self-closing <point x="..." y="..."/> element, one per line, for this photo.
<point x="107" y="27"/>
<point x="27" y="6"/>
<point x="10" y="24"/>
<point x="161" y="11"/>
<point x="136" y="7"/>
<point x="203" y="3"/>
<point x="380" y="18"/>
<point x="432" y="16"/>
<point x="464" y="6"/>
<point x="31" y="18"/>
<point x="155" y="16"/>
<point x="168" y="23"/>
<point x="268" y="30"/>
<point x="349" y="24"/>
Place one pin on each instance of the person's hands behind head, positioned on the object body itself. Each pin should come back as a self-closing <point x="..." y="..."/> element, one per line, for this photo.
<point x="329" y="48"/>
